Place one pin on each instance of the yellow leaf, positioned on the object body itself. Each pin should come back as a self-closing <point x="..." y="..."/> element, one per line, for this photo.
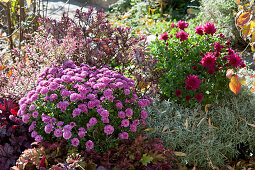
<point x="186" y="123"/>
<point x="229" y="73"/>
<point x="148" y="129"/>
<point x="29" y="2"/>
<point x="149" y="22"/>
<point x="242" y="80"/>
<point x="246" y="31"/>
<point x="235" y="85"/>
<point x="252" y="47"/>
<point x="243" y="19"/>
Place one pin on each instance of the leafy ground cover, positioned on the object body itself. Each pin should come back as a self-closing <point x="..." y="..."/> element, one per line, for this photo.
<point x="135" y="88"/>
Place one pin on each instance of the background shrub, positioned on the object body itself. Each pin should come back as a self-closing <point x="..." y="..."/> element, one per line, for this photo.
<point x="222" y="14"/>
<point x="208" y="138"/>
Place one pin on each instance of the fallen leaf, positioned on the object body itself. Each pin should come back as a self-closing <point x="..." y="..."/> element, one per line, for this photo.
<point x="243" y="19"/>
<point x="229" y="73"/>
<point x="165" y="128"/>
<point x="200" y="121"/>
<point x="253" y="125"/>
<point x="186" y="123"/>
<point x="207" y="106"/>
<point x="180" y="154"/>
<point x="235" y="85"/>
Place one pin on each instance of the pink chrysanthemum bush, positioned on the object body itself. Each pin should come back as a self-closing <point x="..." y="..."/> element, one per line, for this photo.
<point x="89" y="107"/>
<point x="193" y="63"/>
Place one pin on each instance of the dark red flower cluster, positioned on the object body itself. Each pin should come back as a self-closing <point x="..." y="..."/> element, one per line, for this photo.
<point x="182" y="35"/>
<point x="182" y="24"/>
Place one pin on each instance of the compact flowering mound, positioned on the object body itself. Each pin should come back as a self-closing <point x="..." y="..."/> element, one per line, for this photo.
<point x="92" y="108"/>
<point x="194" y="63"/>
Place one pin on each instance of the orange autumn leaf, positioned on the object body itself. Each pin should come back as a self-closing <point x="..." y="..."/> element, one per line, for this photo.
<point x="10" y="72"/>
<point x="235" y="85"/>
<point x="229" y="73"/>
<point x="252" y="89"/>
<point x="243" y="19"/>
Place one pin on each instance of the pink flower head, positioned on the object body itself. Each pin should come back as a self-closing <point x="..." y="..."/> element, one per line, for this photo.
<point x="125" y="123"/>
<point x="164" y="36"/>
<point x="38" y="138"/>
<point x="119" y="105"/>
<point x="136" y="121"/>
<point x="48" y="128"/>
<point x="127" y="91"/>
<point x="133" y="128"/>
<point x="91" y="104"/>
<point x="74" y="97"/>
<point x="192" y="82"/>
<point x="53" y="86"/>
<point x="208" y="60"/>
<point x="177" y="92"/>
<point x="33" y="134"/>
<point x="35" y="114"/>
<point x="108" y="129"/>
<point x="53" y="97"/>
<point x="234" y="60"/>
<point x="104" y="113"/>
<point x="81" y="134"/>
<point x="172" y="25"/>
<point x="92" y="121"/>
<point x="67" y="134"/>
<point x="53" y="70"/>
<point x="218" y="47"/>
<point x="182" y="35"/>
<point x="121" y="114"/>
<point x="89" y="144"/>
<point x="60" y="123"/>
<point x="144" y="114"/>
<point x="123" y="135"/>
<point x="129" y="112"/>
<point x="44" y="90"/>
<point x="108" y="92"/>
<point x="58" y="133"/>
<point x="182" y="24"/>
<point x="209" y="28"/>
<point x="32" y="107"/>
<point x="199" y="30"/>
<point x="199" y="97"/>
<point x="105" y="119"/>
<point x="76" y="112"/>
<point x="75" y="142"/>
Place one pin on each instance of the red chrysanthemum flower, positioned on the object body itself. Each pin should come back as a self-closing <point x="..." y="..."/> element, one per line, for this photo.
<point x="182" y="35"/>
<point x="178" y="93"/>
<point x="187" y="98"/>
<point x="182" y="24"/>
<point x="209" y="28"/>
<point x="164" y="36"/>
<point x="208" y="60"/>
<point x="218" y="47"/>
<point x="235" y="60"/>
<point x="211" y="71"/>
<point x="172" y="25"/>
<point x="199" y="97"/>
<point x="199" y="30"/>
<point x="192" y="82"/>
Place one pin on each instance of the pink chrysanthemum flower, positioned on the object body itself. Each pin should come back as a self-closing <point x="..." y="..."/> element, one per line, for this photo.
<point x="208" y="60"/>
<point x="178" y="93"/>
<point x="209" y="28"/>
<point x="182" y="35"/>
<point x="164" y="36"/>
<point x="199" y="97"/>
<point x="234" y="60"/>
<point x="182" y="24"/>
<point x="199" y="30"/>
<point x="192" y="82"/>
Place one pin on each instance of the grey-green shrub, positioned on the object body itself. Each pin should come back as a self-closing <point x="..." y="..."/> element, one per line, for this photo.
<point x="210" y="137"/>
<point x="221" y="12"/>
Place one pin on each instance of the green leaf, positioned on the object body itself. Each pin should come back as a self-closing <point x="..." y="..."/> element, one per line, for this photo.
<point x="146" y="159"/>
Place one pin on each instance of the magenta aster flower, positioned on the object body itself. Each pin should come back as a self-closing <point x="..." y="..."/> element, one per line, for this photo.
<point x="35" y="114"/>
<point x="129" y="112"/>
<point x="208" y="60"/>
<point x="119" y="105"/>
<point x="53" y="97"/>
<point x="164" y="36"/>
<point x="192" y="82"/>
<point x="199" y="97"/>
<point x="53" y="86"/>
<point x="74" y="97"/>
<point x="182" y="24"/>
<point x="81" y="134"/>
<point x="33" y="134"/>
<point x="75" y="142"/>
<point x="67" y="134"/>
<point x="89" y="144"/>
<point x="123" y="135"/>
<point x="108" y="129"/>
<point x="48" y="128"/>
<point x="182" y="35"/>
<point x="58" y="133"/>
<point x="44" y="90"/>
<point x="144" y="114"/>
<point x="209" y="28"/>
<point x="125" y="123"/>
<point x="234" y="60"/>
<point x="108" y="92"/>
<point x="38" y="138"/>
<point x="133" y="128"/>
<point x="121" y="114"/>
<point x="92" y="121"/>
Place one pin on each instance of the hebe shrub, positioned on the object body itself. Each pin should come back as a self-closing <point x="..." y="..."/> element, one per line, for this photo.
<point x="14" y="136"/>
<point x="194" y="63"/>
<point x="90" y="107"/>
